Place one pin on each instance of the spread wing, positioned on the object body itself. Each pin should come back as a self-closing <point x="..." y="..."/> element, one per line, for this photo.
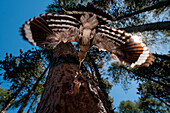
<point x="50" y="29"/>
<point x="122" y="45"/>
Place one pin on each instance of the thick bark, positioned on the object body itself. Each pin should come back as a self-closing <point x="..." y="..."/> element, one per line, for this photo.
<point x="30" y="92"/>
<point x="157" y="6"/>
<point x="102" y="86"/>
<point x="61" y="94"/>
<point x="149" y="27"/>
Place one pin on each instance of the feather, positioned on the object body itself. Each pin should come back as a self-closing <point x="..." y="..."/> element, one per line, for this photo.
<point x="126" y="49"/>
<point x="86" y="25"/>
<point x="46" y="28"/>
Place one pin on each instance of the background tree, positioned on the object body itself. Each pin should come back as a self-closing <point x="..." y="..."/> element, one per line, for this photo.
<point x="154" y="80"/>
<point x="128" y="107"/>
<point x="22" y="72"/>
<point x="131" y="16"/>
<point x="148" y="105"/>
<point x="4" y="96"/>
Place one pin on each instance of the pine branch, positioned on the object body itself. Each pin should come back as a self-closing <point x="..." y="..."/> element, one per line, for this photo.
<point x="11" y="100"/>
<point x="162" y="56"/>
<point x="147" y="78"/>
<point x="148" y="27"/>
<point x="59" y="2"/>
<point x="165" y="102"/>
<point x="158" y="5"/>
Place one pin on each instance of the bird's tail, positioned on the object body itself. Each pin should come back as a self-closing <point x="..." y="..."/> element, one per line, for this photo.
<point x="125" y="46"/>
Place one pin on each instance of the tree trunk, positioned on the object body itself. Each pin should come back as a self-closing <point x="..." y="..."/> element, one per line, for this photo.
<point x="102" y="86"/>
<point x="9" y="103"/>
<point x="66" y="89"/>
<point x="14" y="95"/>
<point x="30" y="92"/>
<point x="156" y="6"/>
<point x="148" y="27"/>
<point x="35" y="98"/>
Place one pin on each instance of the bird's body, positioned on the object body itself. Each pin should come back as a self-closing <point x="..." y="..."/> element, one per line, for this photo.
<point x="87" y="29"/>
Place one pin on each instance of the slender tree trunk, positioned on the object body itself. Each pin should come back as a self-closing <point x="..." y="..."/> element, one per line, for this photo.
<point x="30" y="92"/>
<point x="149" y="27"/>
<point x="102" y="86"/>
<point x="66" y="89"/>
<point x="9" y="103"/>
<point x="156" y="6"/>
<point x="14" y="95"/>
<point x="35" y="98"/>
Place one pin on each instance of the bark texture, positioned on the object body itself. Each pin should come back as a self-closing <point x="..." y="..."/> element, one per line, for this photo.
<point x="66" y="89"/>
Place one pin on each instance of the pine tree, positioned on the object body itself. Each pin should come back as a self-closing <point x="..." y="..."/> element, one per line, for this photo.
<point x="78" y="88"/>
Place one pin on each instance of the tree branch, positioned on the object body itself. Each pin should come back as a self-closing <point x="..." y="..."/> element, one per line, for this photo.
<point x="149" y="27"/>
<point x="166" y="103"/>
<point x="59" y="2"/>
<point x="35" y="98"/>
<point x="158" y="5"/>
<point x="148" y="78"/>
<point x="162" y="56"/>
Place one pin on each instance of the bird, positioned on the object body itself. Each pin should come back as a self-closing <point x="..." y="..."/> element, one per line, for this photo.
<point x="89" y="27"/>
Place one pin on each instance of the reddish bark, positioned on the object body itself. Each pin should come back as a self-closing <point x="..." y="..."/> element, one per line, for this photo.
<point x="66" y="93"/>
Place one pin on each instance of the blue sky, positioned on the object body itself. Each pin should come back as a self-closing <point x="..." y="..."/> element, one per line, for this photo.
<point x="13" y="14"/>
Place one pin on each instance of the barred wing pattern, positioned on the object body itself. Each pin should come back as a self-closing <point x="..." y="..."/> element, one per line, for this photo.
<point x="123" y="45"/>
<point x="55" y="28"/>
<point x="46" y="29"/>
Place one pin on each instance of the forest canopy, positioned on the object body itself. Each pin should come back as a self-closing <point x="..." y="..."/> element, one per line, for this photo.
<point x="148" y="19"/>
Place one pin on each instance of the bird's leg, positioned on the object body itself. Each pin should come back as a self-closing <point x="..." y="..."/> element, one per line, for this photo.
<point x="81" y="32"/>
<point x="82" y="55"/>
<point x="92" y="34"/>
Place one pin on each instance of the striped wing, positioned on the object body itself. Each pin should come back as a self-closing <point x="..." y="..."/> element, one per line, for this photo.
<point x="122" y="45"/>
<point x="50" y="28"/>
